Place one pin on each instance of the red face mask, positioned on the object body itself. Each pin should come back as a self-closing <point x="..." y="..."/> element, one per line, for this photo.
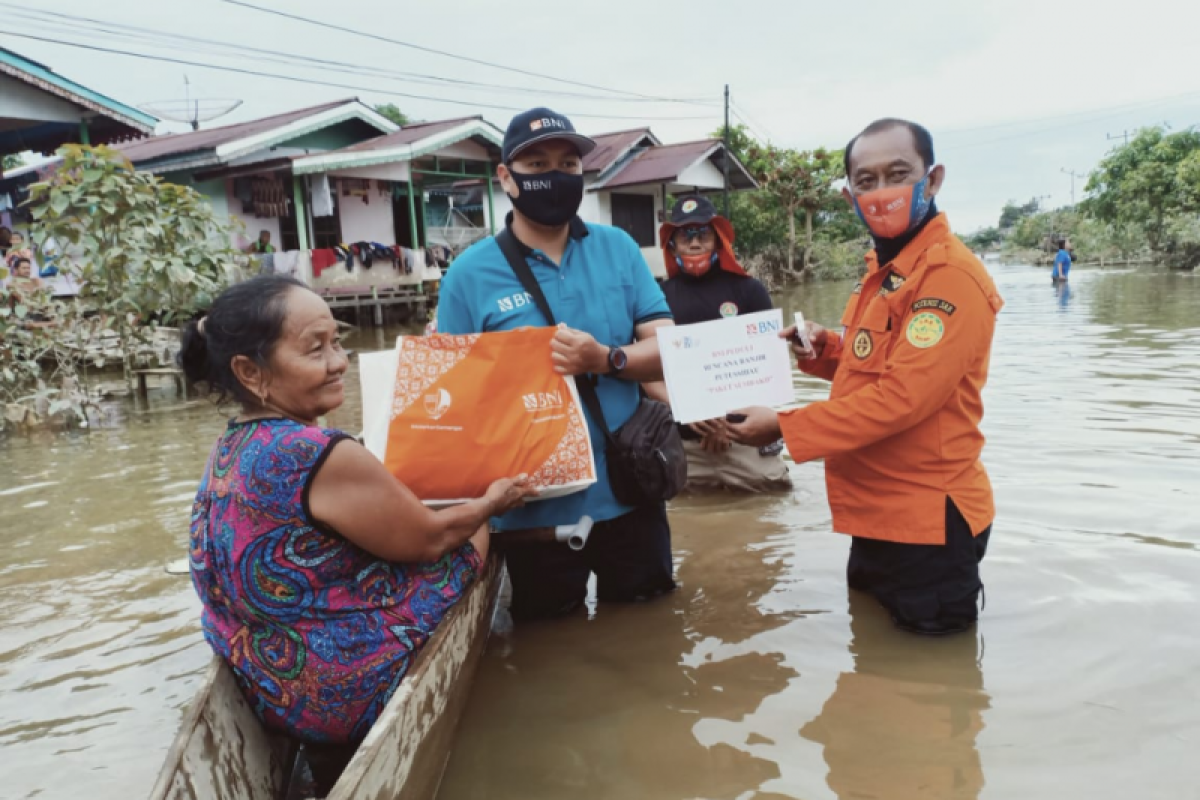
<point x="894" y="210"/>
<point x="698" y="264"/>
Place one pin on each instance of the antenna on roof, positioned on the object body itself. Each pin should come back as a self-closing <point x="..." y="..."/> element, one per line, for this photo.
<point x="190" y="110"/>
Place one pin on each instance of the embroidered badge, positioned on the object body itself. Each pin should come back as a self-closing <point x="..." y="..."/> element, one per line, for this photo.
<point x="925" y="330"/>
<point x="689" y="206"/>
<point x="863" y="344"/>
<point x="891" y="283"/>
<point x="729" y="309"/>
<point x="935" y="303"/>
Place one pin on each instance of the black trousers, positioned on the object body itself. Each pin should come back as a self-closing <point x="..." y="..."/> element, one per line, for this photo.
<point x="927" y="588"/>
<point x="631" y="556"/>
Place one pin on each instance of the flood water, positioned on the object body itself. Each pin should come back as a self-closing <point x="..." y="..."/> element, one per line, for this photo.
<point x="759" y="678"/>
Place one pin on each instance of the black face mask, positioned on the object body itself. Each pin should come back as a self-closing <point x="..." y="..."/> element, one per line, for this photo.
<point x="548" y="198"/>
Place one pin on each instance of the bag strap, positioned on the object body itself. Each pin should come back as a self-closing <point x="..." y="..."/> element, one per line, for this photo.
<point x="586" y="383"/>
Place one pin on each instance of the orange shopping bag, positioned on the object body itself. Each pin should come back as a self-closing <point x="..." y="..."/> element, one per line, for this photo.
<point x="467" y="410"/>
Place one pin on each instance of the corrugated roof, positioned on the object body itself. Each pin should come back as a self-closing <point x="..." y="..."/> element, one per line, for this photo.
<point x="664" y="164"/>
<point x="211" y="138"/>
<point x="413" y="132"/>
<point x="661" y="164"/>
<point x="611" y="146"/>
<point x="406" y="144"/>
<point x="112" y="121"/>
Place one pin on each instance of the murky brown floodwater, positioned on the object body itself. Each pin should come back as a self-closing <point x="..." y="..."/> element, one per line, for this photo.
<point x="759" y="678"/>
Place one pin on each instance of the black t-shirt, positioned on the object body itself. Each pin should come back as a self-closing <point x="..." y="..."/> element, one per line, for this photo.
<point x="714" y="295"/>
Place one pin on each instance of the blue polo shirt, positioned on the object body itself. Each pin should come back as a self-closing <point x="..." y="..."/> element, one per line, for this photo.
<point x="602" y="287"/>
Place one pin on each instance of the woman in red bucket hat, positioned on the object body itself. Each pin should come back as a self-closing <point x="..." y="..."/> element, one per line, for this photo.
<point x="706" y="283"/>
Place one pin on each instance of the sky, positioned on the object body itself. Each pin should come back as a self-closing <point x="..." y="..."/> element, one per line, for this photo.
<point x="1016" y="93"/>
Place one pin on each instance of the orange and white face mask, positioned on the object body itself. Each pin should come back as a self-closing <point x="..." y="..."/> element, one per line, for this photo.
<point x="893" y="210"/>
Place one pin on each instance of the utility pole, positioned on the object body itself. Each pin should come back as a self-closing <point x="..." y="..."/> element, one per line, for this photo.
<point x="1073" y="175"/>
<point x="1122" y="135"/>
<point x="728" y="152"/>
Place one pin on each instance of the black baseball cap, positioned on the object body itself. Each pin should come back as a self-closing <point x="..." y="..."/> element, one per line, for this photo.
<point x="693" y="209"/>
<point x="539" y="125"/>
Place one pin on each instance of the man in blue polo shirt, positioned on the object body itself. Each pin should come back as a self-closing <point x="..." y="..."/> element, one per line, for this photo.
<point x="609" y="307"/>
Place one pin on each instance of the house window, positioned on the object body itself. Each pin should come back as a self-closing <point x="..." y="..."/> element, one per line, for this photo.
<point x="634" y="214"/>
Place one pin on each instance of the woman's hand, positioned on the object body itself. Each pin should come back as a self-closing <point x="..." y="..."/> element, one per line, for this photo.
<point x="508" y="493"/>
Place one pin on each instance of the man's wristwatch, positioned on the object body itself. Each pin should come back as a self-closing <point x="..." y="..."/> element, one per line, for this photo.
<point x="617" y="360"/>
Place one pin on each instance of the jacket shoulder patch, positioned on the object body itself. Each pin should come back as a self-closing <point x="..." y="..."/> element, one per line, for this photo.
<point x="935" y="303"/>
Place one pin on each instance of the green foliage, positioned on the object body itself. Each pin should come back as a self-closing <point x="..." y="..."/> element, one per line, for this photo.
<point x="393" y="112"/>
<point x="145" y="252"/>
<point x="40" y="340"/>
<point x="1148" y="182"/>
<point x="12" y="162"/>
<point x="984" y="239"/>
<point x="1012" y="213"/>
<point x="740" y="141"/>
<point x="797" y="183"/>
<point x="794" y="185"/>
<point x="1091" y="239"/>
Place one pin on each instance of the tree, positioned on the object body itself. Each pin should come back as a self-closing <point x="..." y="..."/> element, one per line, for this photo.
<point x="393" y="112"/>
<point x="798" y="182"/>
<point x="1147" y="182"/>
<point x="740" y="141"/>
<point x="983" y="239"/>
<point x="1013" y="213"/>
<point x="144" y="251"/>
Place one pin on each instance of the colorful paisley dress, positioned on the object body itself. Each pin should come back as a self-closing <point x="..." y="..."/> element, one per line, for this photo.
<point x="318" y="632"/>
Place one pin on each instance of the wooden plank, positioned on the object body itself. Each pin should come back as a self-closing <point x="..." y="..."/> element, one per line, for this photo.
<point x="405" y="754"/>
<point x="222" y="750"/>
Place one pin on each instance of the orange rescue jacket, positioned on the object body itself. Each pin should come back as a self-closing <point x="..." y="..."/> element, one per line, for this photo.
<point x="900" y="430"/>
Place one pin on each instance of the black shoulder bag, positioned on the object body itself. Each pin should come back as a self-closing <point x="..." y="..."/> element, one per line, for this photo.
<point x="646" y="462"/>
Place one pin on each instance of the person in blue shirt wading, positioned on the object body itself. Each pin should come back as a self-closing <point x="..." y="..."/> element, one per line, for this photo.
<point x="1062" y="262"/>
<point x="601" y="291"/>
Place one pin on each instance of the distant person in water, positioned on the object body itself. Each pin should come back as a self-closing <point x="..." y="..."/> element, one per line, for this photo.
<point x="1062" y="261"/>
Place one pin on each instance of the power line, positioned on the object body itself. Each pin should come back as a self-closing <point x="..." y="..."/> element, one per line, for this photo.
<point x="435" y="51"/>
<point x="1051" y="128"/>
<point x="769" y="135"/>
<point x="315" y="82"/>
<point x="90" y="28"/>
<point x="1104" y="113"/>
<point x="753" y="128"/>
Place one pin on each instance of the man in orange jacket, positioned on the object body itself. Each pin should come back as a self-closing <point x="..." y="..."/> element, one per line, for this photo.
<point x="900" y="431"/>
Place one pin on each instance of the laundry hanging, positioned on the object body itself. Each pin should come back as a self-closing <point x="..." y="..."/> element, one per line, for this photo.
<point x="322" y="196"/>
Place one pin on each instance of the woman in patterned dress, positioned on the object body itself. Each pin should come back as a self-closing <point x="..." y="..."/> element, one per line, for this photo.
<point x="320" y="574"/>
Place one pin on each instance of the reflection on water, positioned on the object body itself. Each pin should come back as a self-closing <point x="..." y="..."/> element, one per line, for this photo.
<point x="911" y="706"/>
<point x="758" y="678"/>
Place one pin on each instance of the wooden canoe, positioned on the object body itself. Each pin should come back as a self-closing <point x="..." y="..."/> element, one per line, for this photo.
<point x="222" y="751"/>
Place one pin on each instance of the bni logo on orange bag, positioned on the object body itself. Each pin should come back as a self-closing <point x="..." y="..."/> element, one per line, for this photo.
<point x="438" y="403"/>
<point x="462" y="416"/>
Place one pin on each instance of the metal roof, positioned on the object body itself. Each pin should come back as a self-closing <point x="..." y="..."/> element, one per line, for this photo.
<point x="108" y="120"/>
<point x="611" y="147"/>
<point x="665" y="163"/>
<point x="210" y="138"/>
<point x="413" y="132"/>
<point x="404" y="145"/>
